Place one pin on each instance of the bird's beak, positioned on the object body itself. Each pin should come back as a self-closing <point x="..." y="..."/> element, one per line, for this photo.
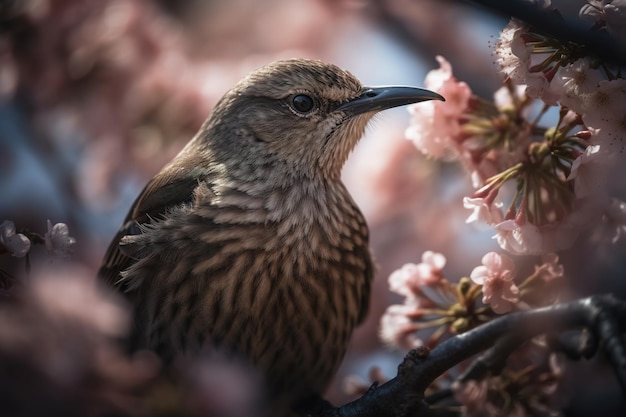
<point x="382" y="98"/>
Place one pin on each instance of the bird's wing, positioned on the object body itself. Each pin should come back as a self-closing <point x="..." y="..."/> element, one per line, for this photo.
<point x="171" y="187"/>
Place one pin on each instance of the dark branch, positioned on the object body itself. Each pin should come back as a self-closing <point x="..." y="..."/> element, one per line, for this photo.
<point x="403" y="395"/>
<point x="608" y="330"/>
<point x="599" y="44"/>
<point x="494" y="359"/>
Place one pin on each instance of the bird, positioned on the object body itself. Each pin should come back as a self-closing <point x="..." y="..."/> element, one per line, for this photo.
<point x="248" y="240"/>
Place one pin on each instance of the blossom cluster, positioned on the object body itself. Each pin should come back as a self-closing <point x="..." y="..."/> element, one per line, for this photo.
<point x="437" y="308"/>
<point x="431" y="301"/>
<point x="57" y="240"/>
<point x="514" y="392"/>
<point x="540" y="154"/>
<point x="539" y="184"/>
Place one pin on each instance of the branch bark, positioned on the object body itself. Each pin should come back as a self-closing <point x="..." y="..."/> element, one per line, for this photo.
<point x="604" y="316"/>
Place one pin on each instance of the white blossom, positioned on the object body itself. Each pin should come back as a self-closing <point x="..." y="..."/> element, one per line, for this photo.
<point x="15" y="243"/>
<point x="58" y="241"/>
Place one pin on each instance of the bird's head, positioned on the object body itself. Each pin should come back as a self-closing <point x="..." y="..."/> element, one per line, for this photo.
<point x="303" y="114"/>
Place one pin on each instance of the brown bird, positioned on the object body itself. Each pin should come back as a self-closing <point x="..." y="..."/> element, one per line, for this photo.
<point x="248" y="240"/>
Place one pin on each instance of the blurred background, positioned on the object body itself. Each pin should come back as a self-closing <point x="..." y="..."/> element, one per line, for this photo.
<point x="97" y="95"/>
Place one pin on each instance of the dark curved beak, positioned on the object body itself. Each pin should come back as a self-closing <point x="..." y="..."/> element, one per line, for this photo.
<point x="381" y="98"/>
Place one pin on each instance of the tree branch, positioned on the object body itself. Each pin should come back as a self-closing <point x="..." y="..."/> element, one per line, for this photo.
<point x="599" y="44"/>
<point x="403" y="395"/>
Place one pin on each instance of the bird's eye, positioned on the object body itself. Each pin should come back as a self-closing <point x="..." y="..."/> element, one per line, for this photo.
<point x="303" y="103"/>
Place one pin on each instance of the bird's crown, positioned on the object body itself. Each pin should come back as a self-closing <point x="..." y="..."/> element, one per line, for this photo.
<point x="281" y="78"/>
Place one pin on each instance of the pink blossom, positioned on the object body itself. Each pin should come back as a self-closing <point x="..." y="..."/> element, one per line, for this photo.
<point x="605" y="113"/>
<point x="483" y="211"/>
<point x="513" y="54"/>
<point x="515" y="60"/>
<point x="593" y="10"/>
<point x="82" y="300"/>
<point x="397" y="329"/>
<point x="435" y="125"/>
<point x="538" y="86"/>
<point x="431" y="132"/>
<point x="16" y="244"/>
<point x="58" y="240"/>
<point x="607" y="13"/>
<point x="551" y="268"/>
<point x="457" y="93"/>
<point x="589" y="172"/>
<point x="496" y="276"/>
<point x="616" y="18"/>
<point x="435" y="261"/>
<point x="519" y="238"/>
<point x="410" y="278"/>
<point x="506" y="97"/>
<point x="575" y="83"/>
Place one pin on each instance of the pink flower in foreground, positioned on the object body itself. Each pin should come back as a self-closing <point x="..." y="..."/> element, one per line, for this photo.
<point x="527" y="59"/>
<point x="16" y="244"/>
<point x="551" y="267"/>
<point x="434" y="125"/>
<point x="575" y="84"/>
<point x="410" y="278"/>
<point x="457" y="93"/>
<point x="515" y="61"/>
<point x="605" y="112"/>
<point x="519" y="238"/>
<point x="496" y="277"/>
<point x="82" y="302"/>
<point x="606" y="14"/>
<point x="483" y="211"/>
<point x="397" y="329"/>
<point x="589" y="172"/>
<point x="513" y="54"/>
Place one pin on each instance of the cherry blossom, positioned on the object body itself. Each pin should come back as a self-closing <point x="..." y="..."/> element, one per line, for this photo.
<point x="605" y="113"/>
<point x="515" y="60"/>
<point x="58" y="241"/>
<point x="607" y="13"/>
<point x="397" y="329"/>
<point x="435" y="125"/>
<point x="551" y="268"/>
<point x="589" y="172"/>
<point x="513" y="56"/>
<point x="519" y="238"/>
<point x="496" y="276"/>
<point x="484" y="210"/>
<point x="410" y="277"/>
<point x="16" y="244"/>
<point x="576" y="83"/>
